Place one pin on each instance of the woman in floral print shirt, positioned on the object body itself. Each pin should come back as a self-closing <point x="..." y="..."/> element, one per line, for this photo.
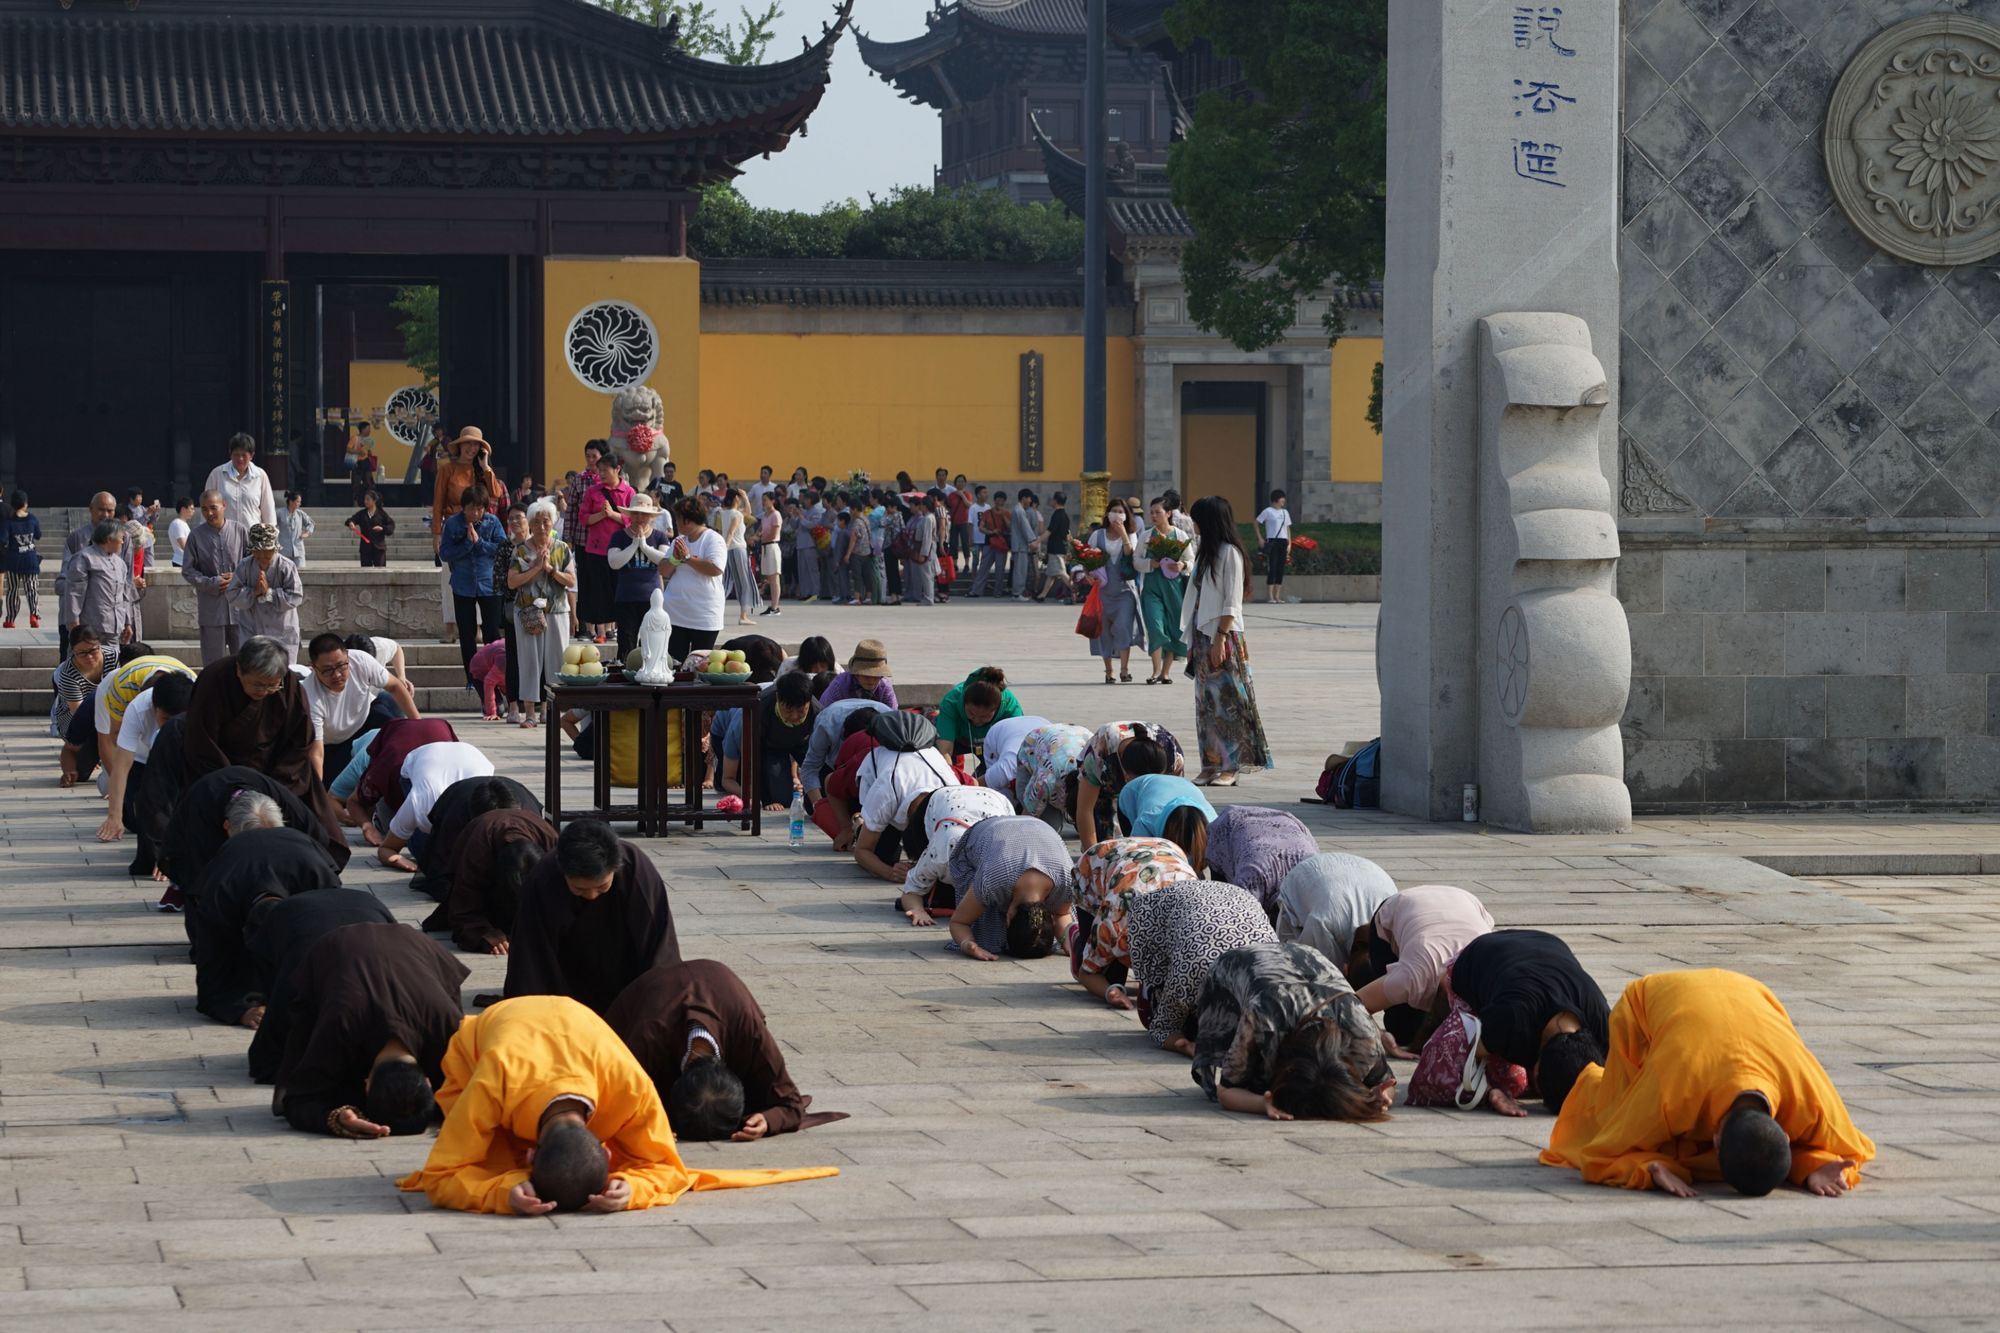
<point x="1108" y="878"/>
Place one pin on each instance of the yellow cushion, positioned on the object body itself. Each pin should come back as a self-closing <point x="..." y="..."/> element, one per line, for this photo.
<point x="625" y="748"/>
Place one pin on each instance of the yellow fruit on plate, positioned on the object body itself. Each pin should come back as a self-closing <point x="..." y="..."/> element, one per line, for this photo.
<point x="590" y="653"/>
<point x="572" y="654"/>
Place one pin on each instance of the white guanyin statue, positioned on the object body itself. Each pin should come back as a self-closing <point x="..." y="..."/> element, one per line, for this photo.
<point x="656" y="664"/>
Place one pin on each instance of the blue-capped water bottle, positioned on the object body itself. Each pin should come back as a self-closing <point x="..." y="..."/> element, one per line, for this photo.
<point x="797" y="833"/>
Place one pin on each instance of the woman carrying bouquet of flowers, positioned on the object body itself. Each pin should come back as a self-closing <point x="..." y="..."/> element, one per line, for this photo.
<point x="1163" y="563"/>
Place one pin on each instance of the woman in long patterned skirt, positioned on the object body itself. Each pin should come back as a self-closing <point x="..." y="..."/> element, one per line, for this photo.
<point x="1118" y="594"/>
<point x="1226" y="719"/>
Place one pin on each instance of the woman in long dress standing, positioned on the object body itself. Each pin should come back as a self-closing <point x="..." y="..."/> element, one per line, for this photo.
<point x="539" y="579"/>
<point x="1118" y="592"/>
<point x="1161" y="595"/>
<point x="1225" y="703"/>
<point x="733" y="521"/>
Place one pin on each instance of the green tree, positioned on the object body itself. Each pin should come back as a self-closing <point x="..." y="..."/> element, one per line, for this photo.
<point x="1287" y="189"/>
<point x="419" y="309"/>
<point x="703" y="33"/>
<point x="914" y="222"/>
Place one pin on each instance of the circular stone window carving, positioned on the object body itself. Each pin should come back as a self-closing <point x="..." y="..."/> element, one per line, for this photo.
<point x="1511" y="662"/>
<point x="611" y="346"/>
<point x="1913" y="140"/>
<point x="410" y="413"/>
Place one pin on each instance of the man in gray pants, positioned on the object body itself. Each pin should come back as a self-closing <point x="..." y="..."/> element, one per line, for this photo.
<point x="214" y="548"/>
<point x="997" y="522"/>
<point x="1025" y="538"/>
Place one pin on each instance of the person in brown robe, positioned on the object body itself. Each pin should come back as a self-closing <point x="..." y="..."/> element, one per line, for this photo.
<point x="701" y="1037"/>
<point x="279" y="940"/>
<point x="254" y="869"/>
<point x="373" y="1008"/>
<point x="194" y="829"/>
<point x="593" y="917"/>
<point x="456" y="806"/>
<point x="250" y="709"/>
<point x="495" y="855"/>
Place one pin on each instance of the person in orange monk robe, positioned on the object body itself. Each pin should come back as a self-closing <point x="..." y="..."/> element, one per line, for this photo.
<point x="1707" y="1079"/>
<point x="545" y="1110"/>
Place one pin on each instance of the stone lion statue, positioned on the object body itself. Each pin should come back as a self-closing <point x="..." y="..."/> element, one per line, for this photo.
<point x="637" y="435"/>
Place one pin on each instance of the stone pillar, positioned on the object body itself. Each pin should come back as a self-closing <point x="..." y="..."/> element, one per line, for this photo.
<point x="1503" y="195"/>
<point x="1159" y="423"/>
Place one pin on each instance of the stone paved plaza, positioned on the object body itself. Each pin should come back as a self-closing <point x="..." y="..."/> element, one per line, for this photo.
<point x="1019" y="1156"/>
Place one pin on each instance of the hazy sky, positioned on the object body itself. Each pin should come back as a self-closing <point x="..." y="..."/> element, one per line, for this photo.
<point x="863" y="137"/>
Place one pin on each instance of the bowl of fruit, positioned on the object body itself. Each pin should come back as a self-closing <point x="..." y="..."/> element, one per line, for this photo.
<point x="582" y="665"/>
<point x="725" y="666"/>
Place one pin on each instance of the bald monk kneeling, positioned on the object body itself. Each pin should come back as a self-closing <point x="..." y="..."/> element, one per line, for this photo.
<point x="1707" y="1079"/>
<point x="545" y="1110"/>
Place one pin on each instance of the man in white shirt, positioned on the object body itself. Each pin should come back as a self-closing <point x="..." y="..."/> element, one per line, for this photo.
<point x="427" y="772"/>
<point x="245" y="488"/>
<point x="1276" y="524"/>
<point x="344" y="693"/>
<point x="166" y="697"/>
<point x="178" y="530"/>
<point x="759" y="489"/>
<point x="888" y="781"/>
<point x="974" y="512"/>
<point x="1002" y="750"/>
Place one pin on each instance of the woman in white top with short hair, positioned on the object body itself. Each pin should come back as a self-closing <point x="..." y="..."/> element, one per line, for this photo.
<point x="1226" y="720"/>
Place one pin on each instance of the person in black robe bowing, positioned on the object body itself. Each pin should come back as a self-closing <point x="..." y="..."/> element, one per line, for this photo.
<point x="254" y="869"/>
<point x="279" y="940"/>
<point x="196" y="827"/>
<point x="701" y="1037"/>
<point x="251" y="709"/>
<point x="593" y="917"/>
<point x="373" y="1008"/>
<point x="495" y="855"/>
<point x="457" y="806"/>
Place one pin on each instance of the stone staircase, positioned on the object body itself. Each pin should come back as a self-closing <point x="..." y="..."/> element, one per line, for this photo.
<point x="331" y="544"/>
<point x="434" y="670"/>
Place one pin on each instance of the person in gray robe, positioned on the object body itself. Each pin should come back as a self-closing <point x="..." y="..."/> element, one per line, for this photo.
<point x="98" y="588"/>
<point x="214" y="549"/>
<point x="919" y="584"/>
<point x="265" y="593"/>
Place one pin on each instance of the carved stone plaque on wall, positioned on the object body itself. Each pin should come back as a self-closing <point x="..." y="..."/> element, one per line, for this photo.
<point x="1913" y="140"/>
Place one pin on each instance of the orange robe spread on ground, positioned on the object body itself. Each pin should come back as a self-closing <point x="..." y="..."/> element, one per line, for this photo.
<point x="1684" y="1045"/>
<point x="502" y="1070"/>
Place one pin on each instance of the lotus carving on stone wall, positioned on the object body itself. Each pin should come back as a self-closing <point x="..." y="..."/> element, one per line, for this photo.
<point x="1944" y="141"/>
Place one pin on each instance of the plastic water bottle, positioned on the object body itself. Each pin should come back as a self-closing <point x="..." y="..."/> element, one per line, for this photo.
<point x="797" y="833"/>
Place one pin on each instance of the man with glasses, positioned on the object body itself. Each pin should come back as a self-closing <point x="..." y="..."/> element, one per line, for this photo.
<point x="345" y="694"/>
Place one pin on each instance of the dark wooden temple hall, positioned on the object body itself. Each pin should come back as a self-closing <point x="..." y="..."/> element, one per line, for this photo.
<point x="218" y="213"/>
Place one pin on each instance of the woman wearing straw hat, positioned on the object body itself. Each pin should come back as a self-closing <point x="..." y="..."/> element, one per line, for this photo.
<point x="467" y="463"/>
<point x="635" y="557"/>
<point x="866" y="677"/>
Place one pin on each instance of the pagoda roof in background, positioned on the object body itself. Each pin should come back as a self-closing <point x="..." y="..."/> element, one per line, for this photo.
<point x="1138" y="197"/>
<point x="971" y="46"/>
<point x="901" y="283"/>
<point x="394" y="71"/>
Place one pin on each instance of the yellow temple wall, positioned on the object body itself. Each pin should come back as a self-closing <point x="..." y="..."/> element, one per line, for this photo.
<point x="1357" y="449"/>
<point x="833" y="402"/>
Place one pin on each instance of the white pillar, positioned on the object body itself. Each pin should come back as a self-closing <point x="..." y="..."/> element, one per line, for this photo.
<point x="1503" y="196"/>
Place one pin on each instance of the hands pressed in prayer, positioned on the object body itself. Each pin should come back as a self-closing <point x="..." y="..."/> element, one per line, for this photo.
<point x="616" y="1198"/>
<point x="1666" y="1180"/>
<point x="1829" y="1181"/>
<point x="756" y="1127"/>
<point x="523" y="1201"/>
<point x="253" y="1017"/>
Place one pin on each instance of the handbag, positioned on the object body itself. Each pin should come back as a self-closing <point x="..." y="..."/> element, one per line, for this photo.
<point x="1090" y="624"/>
<point x="1471" y="1079"/>
<point x="534" y="620"/>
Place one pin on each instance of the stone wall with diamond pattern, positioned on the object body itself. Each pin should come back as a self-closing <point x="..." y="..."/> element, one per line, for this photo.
<point x="1810" y="438"/>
